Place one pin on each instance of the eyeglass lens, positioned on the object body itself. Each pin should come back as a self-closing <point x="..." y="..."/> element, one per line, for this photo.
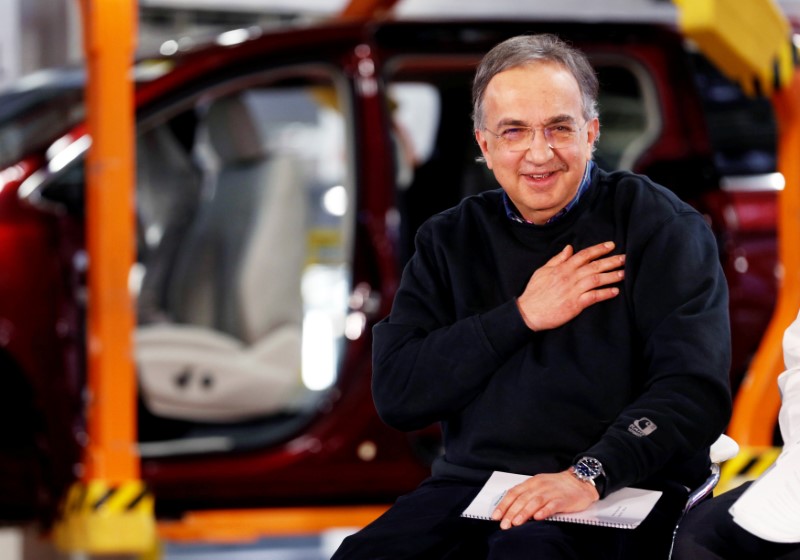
<point x="521" y="138"/>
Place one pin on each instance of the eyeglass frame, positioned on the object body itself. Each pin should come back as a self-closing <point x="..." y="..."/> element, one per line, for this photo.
<point x="544" y="130"/>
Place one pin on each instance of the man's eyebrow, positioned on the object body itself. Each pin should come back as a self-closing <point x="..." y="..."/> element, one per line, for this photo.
<point x="551" y="121"/>
<point x="559" y="119"/>
<point x="513" y="122"/>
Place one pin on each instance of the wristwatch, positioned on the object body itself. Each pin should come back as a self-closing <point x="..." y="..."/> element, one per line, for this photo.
<point x="589" y="469"/>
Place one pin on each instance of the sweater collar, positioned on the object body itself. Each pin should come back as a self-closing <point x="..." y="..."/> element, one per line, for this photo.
<point x="513" y="213"/>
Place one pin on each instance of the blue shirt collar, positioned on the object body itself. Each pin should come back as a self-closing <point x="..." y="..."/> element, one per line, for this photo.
<point x="514" y="214"/>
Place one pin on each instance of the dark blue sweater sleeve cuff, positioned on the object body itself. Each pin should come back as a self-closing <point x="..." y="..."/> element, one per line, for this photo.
<point x="505" y="329"/>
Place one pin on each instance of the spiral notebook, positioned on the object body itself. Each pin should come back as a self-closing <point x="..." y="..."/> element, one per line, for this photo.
<point x="623" y="509"/>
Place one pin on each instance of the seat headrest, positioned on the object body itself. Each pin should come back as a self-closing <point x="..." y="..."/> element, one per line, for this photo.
<point x="233" y="131"/>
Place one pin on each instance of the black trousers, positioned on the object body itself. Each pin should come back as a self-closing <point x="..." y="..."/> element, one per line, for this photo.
<point x="426" y="525"/>
<point x="708" y="532"/>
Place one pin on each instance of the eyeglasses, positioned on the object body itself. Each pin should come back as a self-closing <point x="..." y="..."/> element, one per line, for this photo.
<point x="520" y="138"/>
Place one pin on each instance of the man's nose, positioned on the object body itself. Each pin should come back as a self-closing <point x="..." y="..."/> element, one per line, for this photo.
<point x="539" y="148"/>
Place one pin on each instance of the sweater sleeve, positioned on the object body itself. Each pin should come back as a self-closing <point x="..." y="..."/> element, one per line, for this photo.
<point x="679" y="300"/>
<point x="427" y="363"/>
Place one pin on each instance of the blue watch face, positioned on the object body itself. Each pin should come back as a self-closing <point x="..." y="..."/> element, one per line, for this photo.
<point x="589" y="467"/>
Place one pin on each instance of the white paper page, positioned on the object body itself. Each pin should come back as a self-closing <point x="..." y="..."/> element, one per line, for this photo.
<point x="492" y="492"/>
<point x="625" y="508"/>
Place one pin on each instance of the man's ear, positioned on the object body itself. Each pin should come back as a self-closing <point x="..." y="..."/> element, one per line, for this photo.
<point x="481" y="139"/>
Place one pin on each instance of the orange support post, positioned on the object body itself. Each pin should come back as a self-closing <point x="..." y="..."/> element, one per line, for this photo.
<point x="758" y="401"/>
<point x="109" y="511"/>
<point x="109" y="43"/>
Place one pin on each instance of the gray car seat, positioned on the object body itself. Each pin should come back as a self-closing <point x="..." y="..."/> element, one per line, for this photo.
<point x="231" y="350"/>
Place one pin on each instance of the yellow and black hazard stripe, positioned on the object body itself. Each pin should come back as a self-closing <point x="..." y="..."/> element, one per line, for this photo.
<point x="749" y="464"/>
<point x="129" y="497"/>
<point x="101" y="517"/>
<point x="99" y="497"/>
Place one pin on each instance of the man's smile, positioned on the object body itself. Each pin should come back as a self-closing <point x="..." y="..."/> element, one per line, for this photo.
<point x="540" y="176"/>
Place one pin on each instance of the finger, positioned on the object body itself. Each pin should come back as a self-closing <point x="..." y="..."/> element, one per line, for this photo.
<point x="546" y="510"/>
<point x="607" y="263"/>
<point x="565" y="254"/>
<point x="600" y="273"/>
<point x="599" y="280"/>
<point x="521" y="510"/>
<point x="508" y="498"/>
<point x="593" y="253"/>
<point x="537" y="507"/>
<point x="528" y="510"/>
<point x="509" y="505"/>
<point x="596" y="296"/>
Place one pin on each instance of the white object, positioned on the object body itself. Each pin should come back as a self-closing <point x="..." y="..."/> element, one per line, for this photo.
<point x="770" y="508"/>
<point x="723" y="449"/>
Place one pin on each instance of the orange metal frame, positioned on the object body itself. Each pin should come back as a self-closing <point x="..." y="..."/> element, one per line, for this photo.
<point x="250" y="525"/>
<point x="109" y="42"/>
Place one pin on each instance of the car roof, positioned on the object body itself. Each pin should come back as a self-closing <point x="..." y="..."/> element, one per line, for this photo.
<point x="40" y="106"/>
<point x="417" y="34"/>
<point x="650" y="11"/>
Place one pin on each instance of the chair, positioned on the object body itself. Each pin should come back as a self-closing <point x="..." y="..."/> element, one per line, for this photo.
<point x="723" y="449"/>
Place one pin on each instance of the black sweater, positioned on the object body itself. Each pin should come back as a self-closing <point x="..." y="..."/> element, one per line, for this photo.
<point x="455" y="348"/>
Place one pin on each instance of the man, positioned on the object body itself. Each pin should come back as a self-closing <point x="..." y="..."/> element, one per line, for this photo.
<point x="572" y="326"/>
<point x="761" y="519"/>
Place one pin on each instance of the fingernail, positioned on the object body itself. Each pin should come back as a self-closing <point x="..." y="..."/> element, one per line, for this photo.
<point x="505" y="524"/>
<point x="497" y="515"/>
<point x="620" y="273"/>
<point x="608" y="244"/>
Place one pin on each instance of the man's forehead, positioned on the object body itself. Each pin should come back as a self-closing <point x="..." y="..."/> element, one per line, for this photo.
<point x="533" y="94"/>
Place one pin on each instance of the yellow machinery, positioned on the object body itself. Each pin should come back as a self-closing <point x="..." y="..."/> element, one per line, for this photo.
<point x="752" y="43"/>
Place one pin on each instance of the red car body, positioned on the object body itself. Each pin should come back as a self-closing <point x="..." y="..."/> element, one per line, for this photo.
<point x="664" y="112"/>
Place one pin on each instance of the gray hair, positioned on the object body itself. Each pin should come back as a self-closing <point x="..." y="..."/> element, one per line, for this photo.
<point x="528" y="49"/>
